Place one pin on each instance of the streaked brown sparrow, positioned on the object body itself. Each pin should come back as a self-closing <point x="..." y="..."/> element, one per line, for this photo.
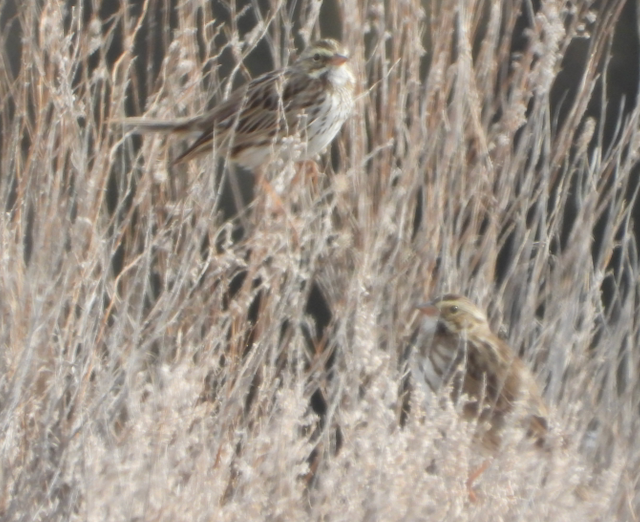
<point x="310" y="99"/>
<point x="454" y="346"/>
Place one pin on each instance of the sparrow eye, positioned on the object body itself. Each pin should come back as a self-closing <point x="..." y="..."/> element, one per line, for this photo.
<point x="454" y="309"/>
<point x="316" y="57"/>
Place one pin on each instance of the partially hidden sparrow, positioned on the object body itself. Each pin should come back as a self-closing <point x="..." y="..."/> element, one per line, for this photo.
<point x="454" y="346"/>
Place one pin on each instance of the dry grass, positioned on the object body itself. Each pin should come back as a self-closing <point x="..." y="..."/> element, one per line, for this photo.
<point x="161" y="362"/>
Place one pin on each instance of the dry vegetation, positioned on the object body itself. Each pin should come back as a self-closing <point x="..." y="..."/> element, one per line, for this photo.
<point x="162" y="360"/>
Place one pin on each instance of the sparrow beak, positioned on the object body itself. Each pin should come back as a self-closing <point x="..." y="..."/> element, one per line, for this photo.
<point x="429" y="309"/>
<point x="338" y="59"/>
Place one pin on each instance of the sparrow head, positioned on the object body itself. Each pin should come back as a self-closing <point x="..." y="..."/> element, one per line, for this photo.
<point x="455" y="314"/>
<point x="326" y="58"/>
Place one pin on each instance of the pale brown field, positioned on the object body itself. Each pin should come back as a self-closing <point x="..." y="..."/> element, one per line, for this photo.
<point x="163" y="360"/>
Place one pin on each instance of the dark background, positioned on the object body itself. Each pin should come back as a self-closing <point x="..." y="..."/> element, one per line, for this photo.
<point x="622" y="71"/>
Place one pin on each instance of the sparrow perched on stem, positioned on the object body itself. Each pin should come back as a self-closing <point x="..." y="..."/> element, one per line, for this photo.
<point x="309" y="99"/>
